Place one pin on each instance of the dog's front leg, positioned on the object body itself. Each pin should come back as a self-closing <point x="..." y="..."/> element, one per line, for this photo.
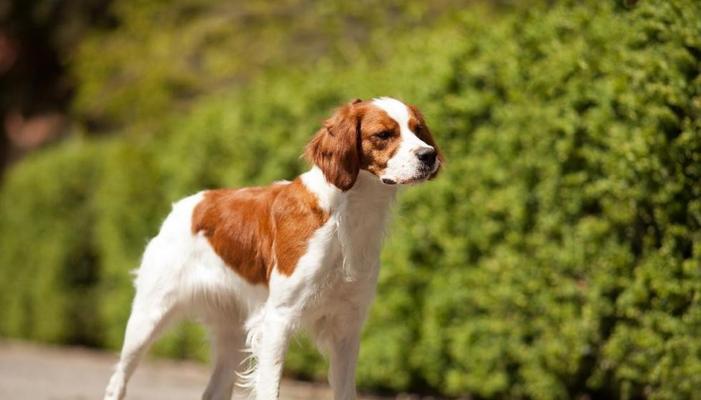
<point x="344" y="356"/>
<point x="275" y="335"/>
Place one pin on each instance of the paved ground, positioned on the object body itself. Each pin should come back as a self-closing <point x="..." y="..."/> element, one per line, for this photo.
<point x="33" y="372"/>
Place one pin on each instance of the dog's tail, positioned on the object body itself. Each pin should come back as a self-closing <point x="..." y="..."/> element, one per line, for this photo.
<point x="248" y="376"/>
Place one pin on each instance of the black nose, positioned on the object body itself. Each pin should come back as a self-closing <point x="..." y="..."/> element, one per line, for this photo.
<point x="427" y="155"/>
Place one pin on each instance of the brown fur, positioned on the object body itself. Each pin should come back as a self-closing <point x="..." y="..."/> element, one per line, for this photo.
<point x="335" y="147"/>
<point x="255" y="229"/>
<point x="377" y="152"/>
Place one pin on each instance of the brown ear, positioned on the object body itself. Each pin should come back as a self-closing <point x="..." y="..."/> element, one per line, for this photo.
<point x="425" y="134"/>
<point x="334" y="148"/>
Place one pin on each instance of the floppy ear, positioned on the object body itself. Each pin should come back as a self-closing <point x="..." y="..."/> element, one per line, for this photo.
<point x="334" y="148"/>
<point x="425" y="134"/>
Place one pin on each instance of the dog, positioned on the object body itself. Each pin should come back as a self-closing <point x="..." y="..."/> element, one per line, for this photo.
<point x="257" y="264"/>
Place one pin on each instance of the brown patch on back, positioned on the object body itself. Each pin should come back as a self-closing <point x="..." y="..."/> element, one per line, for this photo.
<point x="253" y="229"/>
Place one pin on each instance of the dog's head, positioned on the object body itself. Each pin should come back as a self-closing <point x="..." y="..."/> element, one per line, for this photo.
<point x="383" y="136"/>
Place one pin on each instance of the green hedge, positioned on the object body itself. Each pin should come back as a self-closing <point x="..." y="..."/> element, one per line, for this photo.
<point x="574" y="259"/>
<point x="160" y="55"/>
<point x="48" y="259"/>
<point x="557" y="257"/>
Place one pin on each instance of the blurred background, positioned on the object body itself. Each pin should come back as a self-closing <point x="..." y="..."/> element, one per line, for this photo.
<point x="557" y="257"/>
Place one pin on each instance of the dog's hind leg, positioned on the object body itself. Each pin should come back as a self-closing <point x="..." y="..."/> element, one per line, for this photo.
<point x="154" y="307"/>
<point x="228" y="342"/>
<point x="148" y="319"/>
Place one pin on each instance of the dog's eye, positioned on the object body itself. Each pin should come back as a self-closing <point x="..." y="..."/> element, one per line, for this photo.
<point x="384" y="135"/>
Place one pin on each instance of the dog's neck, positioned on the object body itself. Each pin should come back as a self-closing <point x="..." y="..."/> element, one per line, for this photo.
<point x="367" y="194"/>
<point x="360" y="213"/>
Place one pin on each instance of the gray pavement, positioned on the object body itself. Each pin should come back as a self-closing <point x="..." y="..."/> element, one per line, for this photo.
<point x="36" y="372"/>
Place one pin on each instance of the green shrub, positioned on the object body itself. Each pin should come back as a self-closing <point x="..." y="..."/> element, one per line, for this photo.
<point x="137" y="72"/>
<point x="572" y="259"/>
<point x="48" y="259"/>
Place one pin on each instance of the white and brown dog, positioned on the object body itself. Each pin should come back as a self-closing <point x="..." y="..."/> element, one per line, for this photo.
<point x="256" y="264"/>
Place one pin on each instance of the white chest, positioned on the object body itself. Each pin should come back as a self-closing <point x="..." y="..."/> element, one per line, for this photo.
<point x="349" y="277"/>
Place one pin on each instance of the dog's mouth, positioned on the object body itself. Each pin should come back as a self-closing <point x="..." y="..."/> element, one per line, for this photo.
<point x="421" y="177"/>
<point x="422" y="174"/>
<point x="415" y="180"/>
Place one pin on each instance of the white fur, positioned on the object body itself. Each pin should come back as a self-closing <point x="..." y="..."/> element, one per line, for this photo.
<point x="328" y="294"/>
<point x="404" y="165"/>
